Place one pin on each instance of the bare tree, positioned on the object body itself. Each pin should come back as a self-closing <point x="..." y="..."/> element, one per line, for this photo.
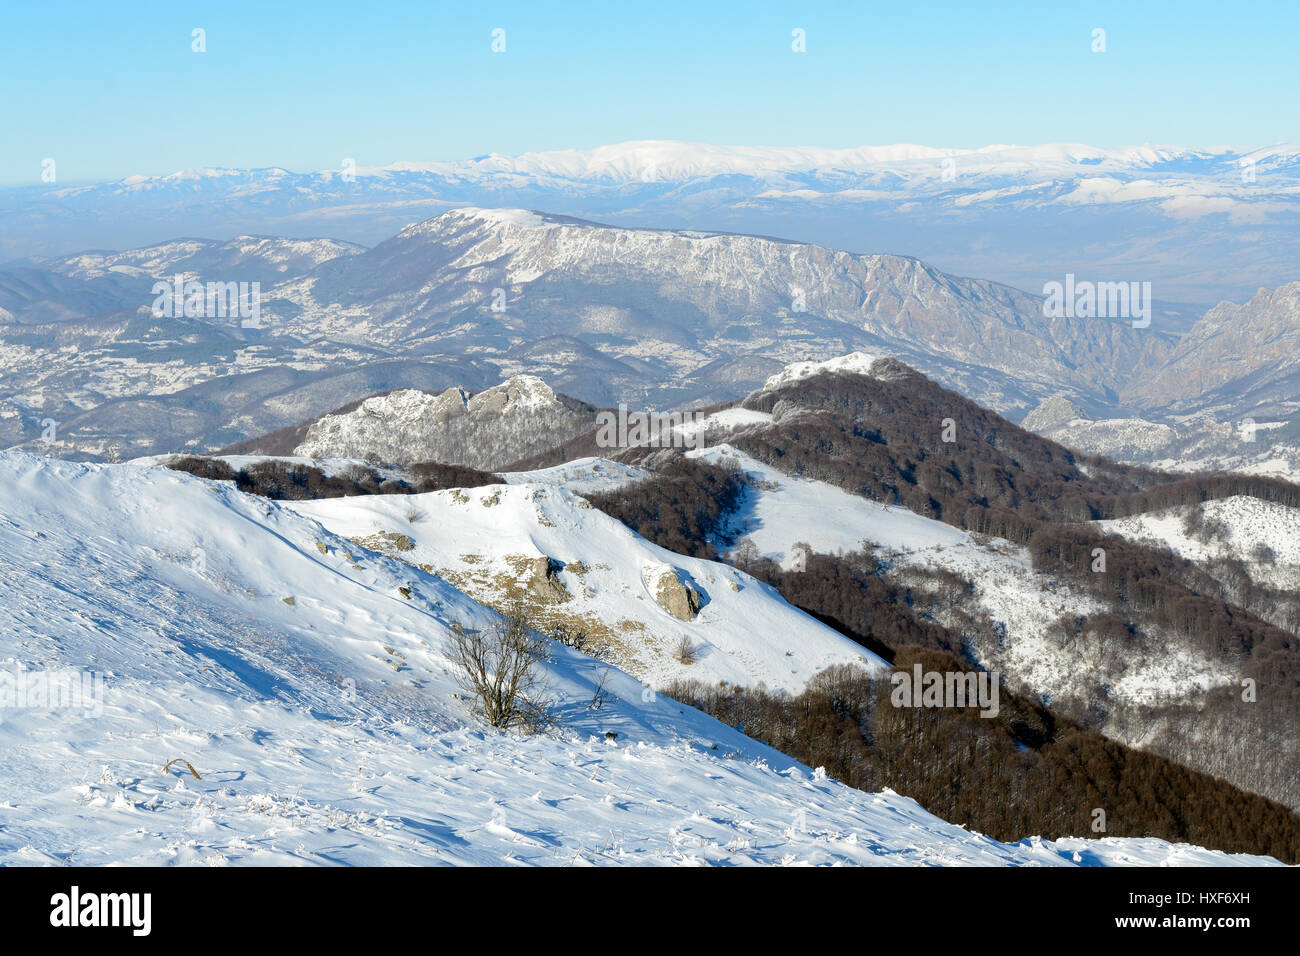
<point x="500" y="667"/>
<point x="746" y="553"/>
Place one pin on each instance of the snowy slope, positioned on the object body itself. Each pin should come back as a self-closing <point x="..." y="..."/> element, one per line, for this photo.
<point x="1024" y="606"/>
<point x="325" y="732"/>
<point x="1242" y="526"/>
<point x="781" y="510"/>
<point x="488" y="539"/>
<point x="581" y="475"/>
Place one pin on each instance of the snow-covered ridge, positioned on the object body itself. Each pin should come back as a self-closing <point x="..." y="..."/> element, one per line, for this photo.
<point x="855" y="363"/>
<point x="193" y="257"/>
<point x="590" y="571"/>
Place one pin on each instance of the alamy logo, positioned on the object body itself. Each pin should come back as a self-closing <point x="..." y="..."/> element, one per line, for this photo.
<point x="1084" y="299"/>
<point x="649" y="429"/>
<point x="209" y="300"/>
<point x="945" y="689"/>
<point x="64" y="689"/>
<point x="73" y="909"/>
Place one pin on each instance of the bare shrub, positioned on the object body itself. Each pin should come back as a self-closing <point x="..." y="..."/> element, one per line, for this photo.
<point x="600" y="692"/>
<point x="568" y="635"/>
<point x="684" y="651"/>
<point x="500" y="668"/>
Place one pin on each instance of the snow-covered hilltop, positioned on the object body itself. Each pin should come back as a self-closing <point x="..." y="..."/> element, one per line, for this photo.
<point x="483" y="430"/>
<point x="855" y="363"/>
<point x="634" y="600"/>
<point x="305" y="679"/>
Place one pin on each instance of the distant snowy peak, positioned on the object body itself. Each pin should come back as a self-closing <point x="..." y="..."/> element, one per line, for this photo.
<point x="855" y="363"/>
<point x="504" y="222"/>
<point x="470" y="216"/>
<point x="675" y="160"/>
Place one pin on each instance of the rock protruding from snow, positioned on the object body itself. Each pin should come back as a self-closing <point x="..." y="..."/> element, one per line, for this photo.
<point x="673" y="591"/>
<point x="855" y="363"/>
<point x="541" y="578"/>
<point x="521" y="392"/>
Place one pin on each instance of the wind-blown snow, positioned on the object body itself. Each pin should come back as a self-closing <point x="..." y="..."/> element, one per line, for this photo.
<point x="325" y="729"/>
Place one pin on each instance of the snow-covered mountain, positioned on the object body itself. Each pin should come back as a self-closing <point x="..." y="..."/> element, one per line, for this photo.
<point x="486" y="430"/>
<point x="1044" y="624"/>
<point x="264" y="259"/>
<point x="1019" y="214"/>
<point x="305" y="680"/>
<point x="1239" y="358"/>
<point x="608" y="313"/>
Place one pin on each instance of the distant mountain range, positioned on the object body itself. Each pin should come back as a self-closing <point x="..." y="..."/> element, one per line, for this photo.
<point x="1201" y="224"/>
<point x="654" y="318"/>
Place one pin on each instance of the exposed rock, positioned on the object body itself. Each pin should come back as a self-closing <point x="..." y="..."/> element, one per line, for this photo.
<point x="673" y="590"/>
<point x="387" y="542"/>
<point x="542" y="580"/>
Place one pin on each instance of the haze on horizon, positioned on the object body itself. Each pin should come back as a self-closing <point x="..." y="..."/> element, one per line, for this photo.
<point x="305" y="87"/>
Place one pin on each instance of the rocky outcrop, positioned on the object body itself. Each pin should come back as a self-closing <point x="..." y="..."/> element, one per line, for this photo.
<point x="673" y="590"/>
<point x="390" y="543"/>
<point x="487" y="430"/>
<point x="541" y="578"/>
<point x="1050" y="413"/>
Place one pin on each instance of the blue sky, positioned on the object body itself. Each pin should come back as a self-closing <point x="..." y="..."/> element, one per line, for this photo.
<point x="113" y="90"/>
